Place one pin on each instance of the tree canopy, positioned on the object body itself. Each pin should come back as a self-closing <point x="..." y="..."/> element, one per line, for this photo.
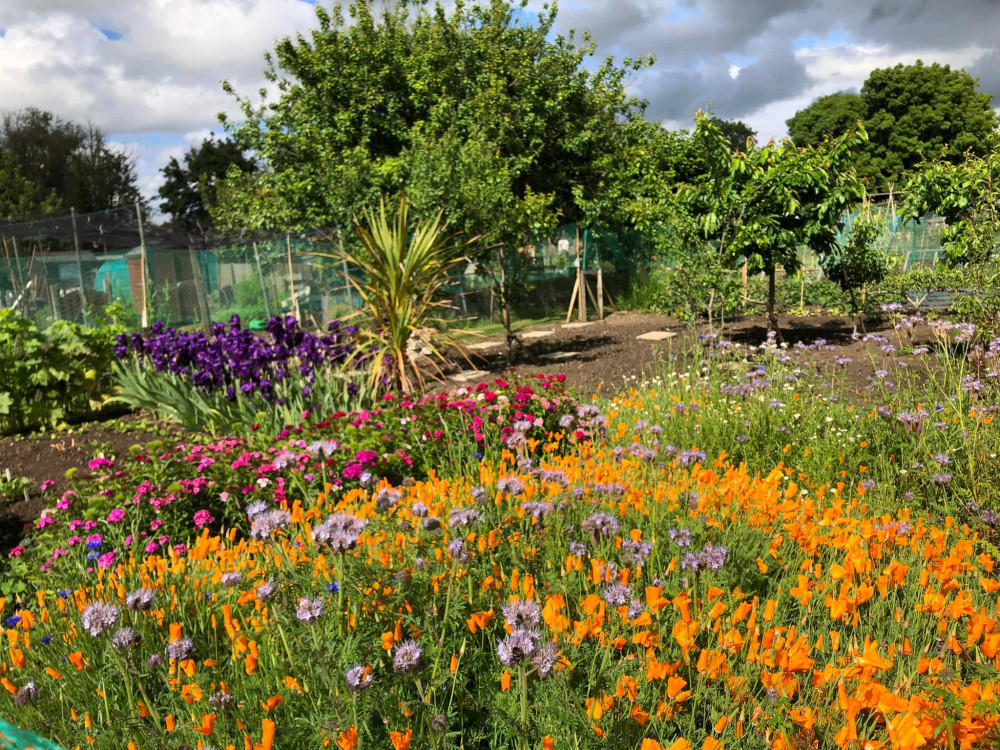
<point x="58" y="164"/>
<point x="472" y="110"/>
<point x="910" y="112"/>
<point x="736" y="133"/>
<point x="762" y="205"/>
<point x="190" y="185"/>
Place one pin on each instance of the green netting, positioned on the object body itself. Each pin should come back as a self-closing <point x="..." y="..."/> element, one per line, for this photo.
<point x="57" y="269"/>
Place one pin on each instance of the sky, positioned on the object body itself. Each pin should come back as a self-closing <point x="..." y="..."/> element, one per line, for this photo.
<point x="149" y="72"/>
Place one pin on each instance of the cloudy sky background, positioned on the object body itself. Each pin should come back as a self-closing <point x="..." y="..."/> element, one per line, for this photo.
<point x="148" y="71"/>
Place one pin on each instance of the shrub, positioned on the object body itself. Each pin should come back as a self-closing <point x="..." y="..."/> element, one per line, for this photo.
<point x="49" y="376"/>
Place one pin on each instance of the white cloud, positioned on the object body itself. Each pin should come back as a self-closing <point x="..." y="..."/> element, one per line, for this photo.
<point x="841" y="68"/>
<point x="162" y="75"/>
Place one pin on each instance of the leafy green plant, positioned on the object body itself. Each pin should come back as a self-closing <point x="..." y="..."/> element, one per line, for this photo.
<point x="858" y="261"/>
<point x="698" y="286"/>
<point x="403" y="269"/>
<point x="176" y="398"/>
<point x="761" y="206"/>
<point x="12" y="487"/>
<point x="50" y="376"/>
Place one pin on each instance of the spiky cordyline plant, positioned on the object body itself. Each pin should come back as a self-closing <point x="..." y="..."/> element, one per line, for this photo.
<point x="401" y="269"/>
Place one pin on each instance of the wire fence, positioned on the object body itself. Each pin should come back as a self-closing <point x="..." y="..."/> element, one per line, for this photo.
<point x="71" y="267"/>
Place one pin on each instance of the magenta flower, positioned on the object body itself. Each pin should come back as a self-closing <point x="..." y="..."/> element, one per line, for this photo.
<point x="116" y="516"/>
<point x="106" y="560"/>
<point x="46" y="484"/>
<point x="17" y="551"/>
<point x="202" y="518"/>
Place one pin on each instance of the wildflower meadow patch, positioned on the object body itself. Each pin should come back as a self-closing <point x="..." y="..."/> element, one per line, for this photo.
<point x="736" y="553"/>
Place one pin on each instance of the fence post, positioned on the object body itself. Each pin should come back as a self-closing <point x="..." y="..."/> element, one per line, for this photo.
<point x="142" y="270"/>
<point x="79" y="267"/>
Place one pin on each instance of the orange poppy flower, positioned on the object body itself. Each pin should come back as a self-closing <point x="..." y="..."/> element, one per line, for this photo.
<point x="348" y="740"/>
<point x="272" y="703"/>
<point x="401" y="740"/>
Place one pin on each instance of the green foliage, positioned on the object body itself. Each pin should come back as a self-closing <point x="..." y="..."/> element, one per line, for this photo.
<point x="12" y="487"/>
<point x="62" y="164"/>
<point x="829" y="115"/>
<point x="911" y="287"/>
<point x="50" y="376"/>
<point x="697" y="286"/>
<point x="858" y="261"/>
<point x="795" y="294"/>
<point x="176" y="398"/>
<point x="967" y="195"/>
<point x="17" y="193"/>
<point x="761" y="206"/>
<point x="462" y="110"/>
<point x="403" y="267"/>
<point x="737" y="133"/>
<point x="909" y="111"/>
<point x="189" y="189"/>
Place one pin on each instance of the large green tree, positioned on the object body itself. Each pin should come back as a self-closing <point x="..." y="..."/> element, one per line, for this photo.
<point x="496" y="120"/>
<point x="909" y="111"/>
<point x="472" y="110"/>
<point x="190" y="185"/>
<point x="64" y="164"/>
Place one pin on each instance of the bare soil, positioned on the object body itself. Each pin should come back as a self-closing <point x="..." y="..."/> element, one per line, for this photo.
<point x="50" y="456"/>
<point x="607" y="355"/>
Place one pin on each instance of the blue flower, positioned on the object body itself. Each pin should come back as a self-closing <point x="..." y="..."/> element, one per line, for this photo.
<point x="64" y="593"/>
<point x="13" y="620"/>
<point x="333" y="588"/>
<point x="46" y="639"/>
<point x="94" y="545"/>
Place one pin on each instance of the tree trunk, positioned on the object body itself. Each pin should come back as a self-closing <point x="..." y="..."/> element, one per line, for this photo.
<point x="505" y="309"/>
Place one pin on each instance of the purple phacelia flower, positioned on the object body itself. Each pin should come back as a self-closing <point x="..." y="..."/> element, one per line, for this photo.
<point x="407" y="657"/>
<point x="98" y="617"/>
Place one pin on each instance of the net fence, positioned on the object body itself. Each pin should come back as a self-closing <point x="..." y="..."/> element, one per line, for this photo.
<point x="73" y="266"/>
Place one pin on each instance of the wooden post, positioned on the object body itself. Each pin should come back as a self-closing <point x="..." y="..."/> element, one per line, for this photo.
<point x="802" y="289"/>
<point x="600" y="292"/>
<point x="54" y="303"/>
<point x="291" y="277"/>
<point x="743" y="278"/>
<point x="260" y="275"/>
<point x="79" y="267"/>
<point x="572" y="297"/>
<point x="142" y="267"/>
<point x="10" y="268"/>
<point x="199" y="289"/>
<point x="581" y="298"/>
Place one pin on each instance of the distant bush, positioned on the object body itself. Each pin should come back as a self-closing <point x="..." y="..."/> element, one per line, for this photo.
<point x="48" y="376"/>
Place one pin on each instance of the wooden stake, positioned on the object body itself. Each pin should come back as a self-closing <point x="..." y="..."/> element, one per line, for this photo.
<point x="581" y="298"/>
<point x="590" y="294"/>
<point x="199" y="289"/>
<point x="260" y="275"/>
<point x="291" y="277"/>
<point x="572" y="298"/>
<point x="600" y="292"/>
<point x="142" y="271"/>
<point x="79" y="264"/>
